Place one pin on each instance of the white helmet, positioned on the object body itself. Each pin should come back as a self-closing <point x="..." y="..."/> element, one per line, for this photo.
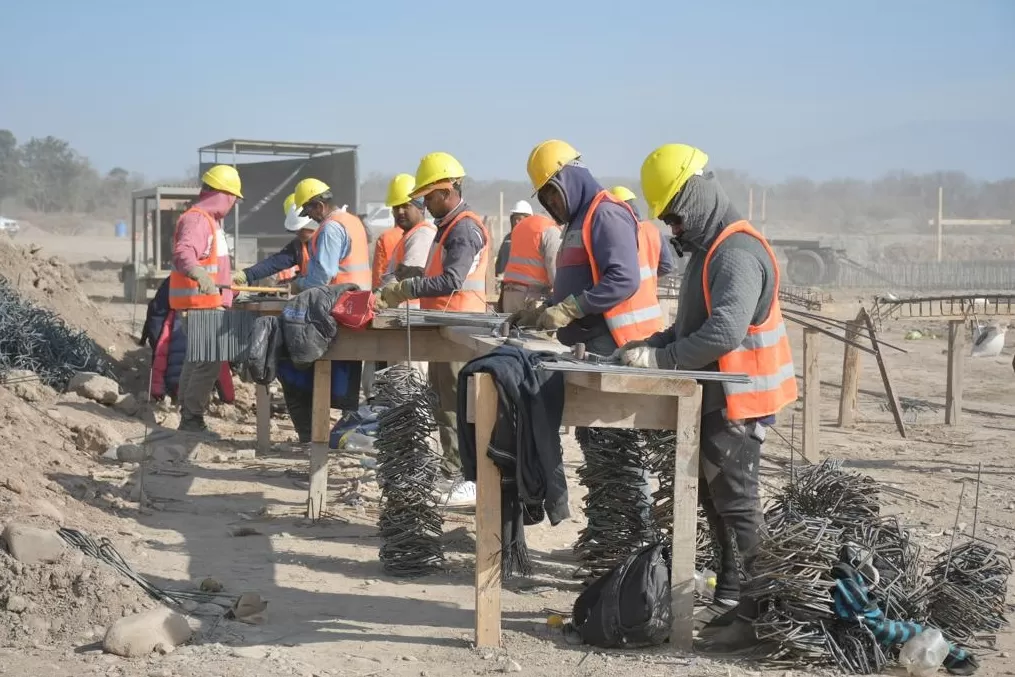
<point x="295" y="222"/>
<point x="522" y="207"/>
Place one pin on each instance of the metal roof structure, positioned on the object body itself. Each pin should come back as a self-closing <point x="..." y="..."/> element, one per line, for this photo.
<point x="168" y="192"/>
<point x="278" y="148"/>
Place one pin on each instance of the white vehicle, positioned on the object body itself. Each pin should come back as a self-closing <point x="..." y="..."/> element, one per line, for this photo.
<point x="379" y="220"/>
<point x="9" y="226"/>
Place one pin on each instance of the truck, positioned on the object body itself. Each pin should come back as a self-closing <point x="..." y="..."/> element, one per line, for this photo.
<point x="809" y="262"/>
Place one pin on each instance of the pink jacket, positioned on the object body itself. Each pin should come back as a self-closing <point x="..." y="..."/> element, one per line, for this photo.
<point x="192" y="242"/>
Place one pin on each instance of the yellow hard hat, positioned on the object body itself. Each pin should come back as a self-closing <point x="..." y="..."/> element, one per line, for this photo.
<point x="665" y="171"/>
<point x="224" y="178"/>
<point x="623" y="193"/>
<point x="399" y="189"/>
<point x="288" y="203"/>
<point x="434" y="169"/>
<point x="547" y="159"/>
<point x="308" y="189"/>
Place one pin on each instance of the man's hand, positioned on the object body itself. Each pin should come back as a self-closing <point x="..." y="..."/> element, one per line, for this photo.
<point x="630" y="345"/>
<point x="643" y="357"/>
<point x="395" y="294"/>
<point x="527" y="317"/>
<point x="205" y="285"/>
<point x="560" y="314"/>
<point x="239" y="278"/>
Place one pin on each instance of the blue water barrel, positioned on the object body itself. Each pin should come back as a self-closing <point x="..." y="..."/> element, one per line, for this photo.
<point x="121" y="229"/>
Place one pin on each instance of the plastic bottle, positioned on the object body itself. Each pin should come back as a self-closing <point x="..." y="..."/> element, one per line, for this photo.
<point x="704" y="583"/>
<point x="357" y="443"/>
<point x="924" y="654"/>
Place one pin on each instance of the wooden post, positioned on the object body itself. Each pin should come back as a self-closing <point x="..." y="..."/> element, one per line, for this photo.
<point x="262" y="405"/>
<point x="940" y="220"/>
<point x="685" y="519"/>
<point x="488" y="519"/>
<point x="320" y="430"/>
<point x="850" y="376"/>
<point x="812" y="395"/>
<point x="956" y="361"/>
<point x="893" y="401"/>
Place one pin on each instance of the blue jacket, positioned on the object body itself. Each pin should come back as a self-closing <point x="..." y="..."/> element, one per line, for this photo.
<point x="285" y="258"/>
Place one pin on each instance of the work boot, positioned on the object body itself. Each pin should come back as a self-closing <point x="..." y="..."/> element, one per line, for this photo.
<point x="194" y="424"/>
<point x="719" y="613"/>
<point x="737" y="638"/>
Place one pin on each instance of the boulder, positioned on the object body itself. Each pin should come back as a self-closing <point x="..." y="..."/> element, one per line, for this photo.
<point x="32" y="545"/>
<point x="95" y="438"/>
<point x="127" y="405"/>
<point x="160" y="630"/>
<point x="95" y="387"/>
<point x="131" y="453"/>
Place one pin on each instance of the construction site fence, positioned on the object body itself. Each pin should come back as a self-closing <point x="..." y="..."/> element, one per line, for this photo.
<point x="946" y="275"/>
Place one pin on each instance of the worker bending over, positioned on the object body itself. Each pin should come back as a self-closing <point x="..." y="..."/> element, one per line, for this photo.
<point x="409" y="255"/>
<point x="531" y="261"/>
<point x="454" y="280"/>
<point x="200" y="280"/>
<point x="338" y="250"/>
<point x="660" y="258"/>
<point x="728" y="320"/>
<point x="293" y="256"/>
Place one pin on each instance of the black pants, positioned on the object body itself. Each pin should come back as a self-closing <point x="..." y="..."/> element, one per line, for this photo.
<point x="728" y="492"/>
<point x="300" y="404"/>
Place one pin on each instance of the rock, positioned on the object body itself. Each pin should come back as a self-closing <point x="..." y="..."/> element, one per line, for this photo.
<point x="15" y="484"/>
<point x="512" y="666"/>
<point x="95" y="387"/>
<point x="16" y="604"/>
<point x="255" y="652"/>
<point x="132" y="453"/>
<point x="26" y="385"/>
<point x="210" y="585"/>
<point x="127" y="405"/>
<point x="43" y="508"/>
<point x="31" y="545"/>
<point x="95" y="438"/>
<point x="189" y="606"/>
<point x="246" y="454"/>
<point x="410" y="659"/>
<point x="159" y="630"/>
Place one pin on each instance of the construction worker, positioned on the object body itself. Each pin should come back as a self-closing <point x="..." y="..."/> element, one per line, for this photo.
<point x="659" y="256"/>
<point x="410" y="253"/>
<point x="200" y="280"/>
<point x="454" y="280"/>
<point x="532" y="259"/>
<point x="383" y="247"/>
<point x="729" y="320"/>
<point x="518" y="212"/>
<point x="284" y="264"/>
<point x="338" y="250"/>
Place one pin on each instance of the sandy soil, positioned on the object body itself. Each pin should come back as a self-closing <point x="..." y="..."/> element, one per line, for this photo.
<point x="331" y="609"/>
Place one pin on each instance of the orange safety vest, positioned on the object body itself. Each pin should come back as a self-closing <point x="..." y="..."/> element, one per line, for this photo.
<point x="398" y="254"/>
<point x="650" y="240"/>
<point x="765" y="354"/>
<point x="183" y="291"/>
<point x="355" y="267"/>
<point x="525" y="262"/>
<point x="639" y="316"/>
<point x="471" y="298"/>
<point x="383" y="248"/>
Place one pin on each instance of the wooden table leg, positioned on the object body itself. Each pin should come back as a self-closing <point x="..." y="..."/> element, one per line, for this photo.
<point x="956" y="360"/>
<point x="320" y="430"/>
<point x="812" y="396"/>
<point x="488" y="518"/>
<point x="262" y="408"/>
<point x="685" y="519"/>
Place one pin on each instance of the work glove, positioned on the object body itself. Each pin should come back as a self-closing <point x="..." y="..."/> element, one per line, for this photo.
<point x="405" y="272"/>
<point x="205" y="285"/>
<point x="530" y="314"/>
<point x="643" y="357"/>
<point x="560" y="314"/>
<point x="240" y="278"/>
<point x="395" y="294"/>
<point x="630" y="345"/>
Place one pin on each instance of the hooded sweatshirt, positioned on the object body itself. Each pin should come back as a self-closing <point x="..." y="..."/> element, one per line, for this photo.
<point x="192" y="242"/>
<point x="615" y="246"/>
<point x="741" y="280"/>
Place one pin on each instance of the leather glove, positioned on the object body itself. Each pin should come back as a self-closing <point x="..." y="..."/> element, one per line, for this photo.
<point x="630" y="345"/>
<point x="240" y="278"/>
<point x="205" y="285"/>
<point x="405" y="272"/>
<point x="528" y="317"/>
<point x="395" y="294"/>
<point x="643" y="357"/>
<point x="560" y="314"/>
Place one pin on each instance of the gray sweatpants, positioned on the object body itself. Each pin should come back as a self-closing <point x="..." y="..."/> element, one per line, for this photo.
<point x="197" y="382"/>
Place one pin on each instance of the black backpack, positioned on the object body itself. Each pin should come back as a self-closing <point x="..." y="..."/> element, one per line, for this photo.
<point x="629" y="606"/>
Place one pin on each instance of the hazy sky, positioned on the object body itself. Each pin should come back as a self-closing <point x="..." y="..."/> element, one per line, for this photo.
<point x="775" y="88"/>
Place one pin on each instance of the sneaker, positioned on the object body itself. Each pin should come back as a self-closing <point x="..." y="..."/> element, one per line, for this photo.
<point x="461" y="495"/>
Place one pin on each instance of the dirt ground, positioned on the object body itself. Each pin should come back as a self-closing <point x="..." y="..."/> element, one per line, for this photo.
<point x="331" y="609"/>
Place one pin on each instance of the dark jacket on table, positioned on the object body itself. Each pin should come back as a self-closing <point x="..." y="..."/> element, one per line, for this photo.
<point x="526" y="438"/>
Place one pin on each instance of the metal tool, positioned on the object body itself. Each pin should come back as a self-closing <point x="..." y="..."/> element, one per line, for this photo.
<point x="275" y="291"/>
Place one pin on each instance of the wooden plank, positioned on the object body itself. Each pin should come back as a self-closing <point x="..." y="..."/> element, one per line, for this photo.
<point x="262" y="409"/>
<point x="850" y="376"/>
<point x="388" y="345"/>
<point x="812" y="395"/>
<point x="893" y="402"/>
<point x="685" y="518"/>
<point x="956" y="362"/>
<point x="488" y="518"/>
<point x="320" y="429"/>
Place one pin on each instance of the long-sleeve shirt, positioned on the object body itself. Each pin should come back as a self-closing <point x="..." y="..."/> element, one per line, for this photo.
<point x="503" y="254"/>
<point x="417" y="247"/>
<point x="461" y="252"/>
<point x="283" y="259"/>
<point x="193" y="237"/>
<point x="665" y="258"/>
<point x="333" y="245"/>
<point x="549" y="245"/>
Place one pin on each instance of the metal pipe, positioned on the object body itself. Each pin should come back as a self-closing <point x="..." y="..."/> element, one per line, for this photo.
<point x="619" y="370"/>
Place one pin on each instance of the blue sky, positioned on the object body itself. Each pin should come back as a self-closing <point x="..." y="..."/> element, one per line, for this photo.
<point x="777" y="88"/>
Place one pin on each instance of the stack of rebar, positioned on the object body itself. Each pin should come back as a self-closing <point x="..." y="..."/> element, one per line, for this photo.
<point x="619" y="514"/>
<point x="408" y="466"/>
<point x="967" y="596"/>
<point x="218" y="335"/>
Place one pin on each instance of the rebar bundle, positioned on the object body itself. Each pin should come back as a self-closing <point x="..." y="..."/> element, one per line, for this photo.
<point x="219" y="335"/>
<point x="410" y="522"/>
<point x="37" y="340"/>
<point x="826" y="490"/>
<point x="619" y="515"/>
<point x="967" y="596"/>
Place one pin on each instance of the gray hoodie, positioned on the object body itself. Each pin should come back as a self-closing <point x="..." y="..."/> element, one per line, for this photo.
<point x="741" y="280"/>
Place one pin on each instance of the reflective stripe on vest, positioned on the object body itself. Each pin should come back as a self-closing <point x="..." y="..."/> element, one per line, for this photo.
<point x="185" y="293"/>
<point x="639" y="316"/>
<point x="764" y="355"/>
<point x="471" y="298"/>
<point x="398" y="255"/>
<point x="525" y="263"/>
<point x="354" y="267"/>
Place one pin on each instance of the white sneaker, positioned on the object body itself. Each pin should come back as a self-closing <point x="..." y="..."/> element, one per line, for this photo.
<point x="461" y="495"/>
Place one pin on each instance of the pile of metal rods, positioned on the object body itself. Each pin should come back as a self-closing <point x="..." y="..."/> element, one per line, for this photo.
<point x="619" y="515"/>
<point x="37" y="340"/>
<point x="967" y="597"/>
<point x="218" y="335"/>
<point x="825" y="490"/>
<point x="414" y="317"/>
<point x="408" y="466"/>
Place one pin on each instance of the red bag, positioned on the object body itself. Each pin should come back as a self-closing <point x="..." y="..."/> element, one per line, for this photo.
<point x="354" y="309"/>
